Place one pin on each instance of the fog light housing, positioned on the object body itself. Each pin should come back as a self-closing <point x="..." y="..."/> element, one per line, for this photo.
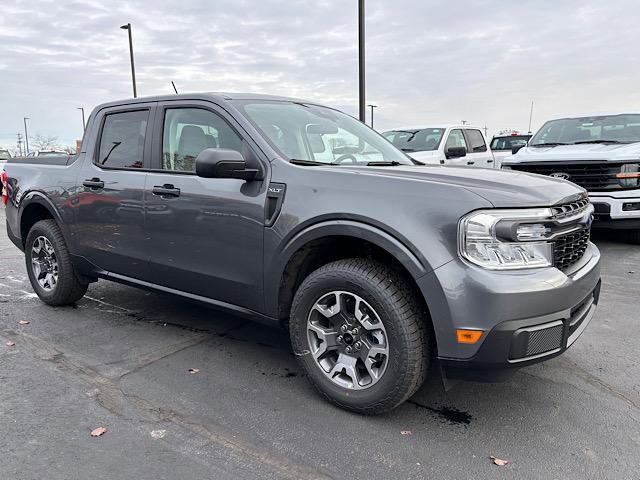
<point x="631" y="207"/>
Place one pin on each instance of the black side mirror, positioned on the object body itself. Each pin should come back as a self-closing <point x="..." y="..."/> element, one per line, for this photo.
<point x="516" y="148"/>
<point x="223" y="163"/>
<point x="455" y="152"/>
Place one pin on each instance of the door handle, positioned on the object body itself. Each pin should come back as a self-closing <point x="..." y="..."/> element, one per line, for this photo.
<point x="94" y="182"/>
<point x="166" y="190"/>
<point x="489" y="161"/>
<point x="470" y="162"/>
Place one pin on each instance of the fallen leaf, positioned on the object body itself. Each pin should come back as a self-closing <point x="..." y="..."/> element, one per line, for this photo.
<point x="10" y="344"/>
<point x="499" y="461"/>
<point x="405" y="432"/>
<point x="158" y="433"/>
<point x="96" y="432"/>
<point x="194" y="370"/>
<point x="24" y="322"/>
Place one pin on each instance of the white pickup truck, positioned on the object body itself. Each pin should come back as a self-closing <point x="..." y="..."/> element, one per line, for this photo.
<point x="598" y="152"/>
<point x="444" y="144"/>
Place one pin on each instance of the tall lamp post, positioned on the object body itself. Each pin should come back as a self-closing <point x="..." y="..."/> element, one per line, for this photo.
<point x="26" y="135"/>
<point x="84" y="125"/>
<point x="372" y="107"/>
<point x="133" y="68"/>
<point x="362" y="105"/>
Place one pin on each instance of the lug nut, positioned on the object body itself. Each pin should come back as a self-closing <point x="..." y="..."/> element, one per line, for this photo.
<point x="339" y="338"/>
<point x="344" y="328"/>
<point x="357" y="345"/>
<point x="348" y="349"/>
<point x="355" y="331"/>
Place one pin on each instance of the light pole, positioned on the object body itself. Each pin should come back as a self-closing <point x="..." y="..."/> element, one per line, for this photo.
<point x="362" y="107"/>
<point x="84" y="125"/>
<point x="372" y="107"/>
<point x="133" y="68"/>
<point x="26" y="135"/>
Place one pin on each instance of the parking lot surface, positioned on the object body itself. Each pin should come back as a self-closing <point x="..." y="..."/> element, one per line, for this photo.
<point x="120" y="359"/>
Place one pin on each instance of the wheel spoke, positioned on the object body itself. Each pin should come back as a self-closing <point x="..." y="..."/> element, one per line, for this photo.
<point x="364" y="317"/>
<point x="328" y="312"/>
<point x="346" y="365"/>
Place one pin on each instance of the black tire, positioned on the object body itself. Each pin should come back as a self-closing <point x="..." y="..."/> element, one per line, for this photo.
<point x="403" y="318"/>
<point x="68" y="289"/>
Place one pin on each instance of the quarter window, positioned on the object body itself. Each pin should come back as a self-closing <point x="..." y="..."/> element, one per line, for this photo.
<point x="189" y="131"/>
<point x="122" y="140"/>
<point x="476" y="140"/>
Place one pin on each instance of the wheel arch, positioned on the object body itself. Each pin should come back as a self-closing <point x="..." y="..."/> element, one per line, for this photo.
<point x="326" y="241"/>
<point x="34" y="207"/>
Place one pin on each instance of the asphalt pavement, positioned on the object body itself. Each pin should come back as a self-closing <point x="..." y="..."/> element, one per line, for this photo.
<point x="121" y="359"/>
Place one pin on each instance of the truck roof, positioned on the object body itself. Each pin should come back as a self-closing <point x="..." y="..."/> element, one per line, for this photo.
<point x="435" y="125"/>
<point x="219" y="96"/>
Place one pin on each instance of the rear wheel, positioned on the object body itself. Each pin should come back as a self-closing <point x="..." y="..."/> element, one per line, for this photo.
<point x="49" y="266"/>
<point x="360" y="335"/>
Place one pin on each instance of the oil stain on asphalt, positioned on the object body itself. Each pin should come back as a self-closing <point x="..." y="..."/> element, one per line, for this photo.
<point x="450" y="415"/>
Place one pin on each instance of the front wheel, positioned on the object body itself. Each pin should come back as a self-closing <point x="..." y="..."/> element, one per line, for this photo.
<point x="360" y="335"/>
<point x="49" y="266"/>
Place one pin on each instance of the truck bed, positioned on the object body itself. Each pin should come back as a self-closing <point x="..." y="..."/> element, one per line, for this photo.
<point x="45" y="160"/>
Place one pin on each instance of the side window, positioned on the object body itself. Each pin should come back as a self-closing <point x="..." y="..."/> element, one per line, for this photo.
<point x="122" y="140"/>
<point x="456" y="139"/>
<point x="189" y="131"/>
<point x="476" y="140"/>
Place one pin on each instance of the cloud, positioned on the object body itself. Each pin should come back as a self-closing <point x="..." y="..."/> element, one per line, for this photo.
<point x="427" y="61"/>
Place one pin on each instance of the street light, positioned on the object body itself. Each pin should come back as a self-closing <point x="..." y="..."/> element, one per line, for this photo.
<point x="84" y="127"/>
<point x="133" y="68"/>
<point x="372" y="107"/>
<point x="362" y="101"/>
<point x="26" y="135"/>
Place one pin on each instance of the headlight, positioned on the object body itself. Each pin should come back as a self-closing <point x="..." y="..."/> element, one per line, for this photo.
<point x="506" y="239"/>
<point x="629" y="176"/>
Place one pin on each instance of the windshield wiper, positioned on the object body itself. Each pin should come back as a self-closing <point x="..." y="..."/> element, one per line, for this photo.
<point x="550" y="144"/>
<point x="391" y="163"/>
<point x="408" y="149"/>
<point x="308" y="163"/>
<point x="598" y="141"/>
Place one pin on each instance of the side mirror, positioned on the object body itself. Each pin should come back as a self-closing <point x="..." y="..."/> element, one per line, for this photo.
<point x="455" y="152"/>
<point x="223" y="163"/>
<point x="516" y="148"/>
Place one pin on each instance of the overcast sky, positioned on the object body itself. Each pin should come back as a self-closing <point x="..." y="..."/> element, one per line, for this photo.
<point x="427" y="61"/>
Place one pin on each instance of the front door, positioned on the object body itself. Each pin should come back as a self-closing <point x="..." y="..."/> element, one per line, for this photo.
<point x="108" y="213"/>
<point x="456" y="139"/>
<point x="477" y="151"/>
<point x="206" y="234"/>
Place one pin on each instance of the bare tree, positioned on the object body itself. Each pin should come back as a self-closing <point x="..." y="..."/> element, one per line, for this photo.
<point x="43" y="142"/>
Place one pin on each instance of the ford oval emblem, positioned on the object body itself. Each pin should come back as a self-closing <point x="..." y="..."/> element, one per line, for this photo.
<point x="564" y="176"/>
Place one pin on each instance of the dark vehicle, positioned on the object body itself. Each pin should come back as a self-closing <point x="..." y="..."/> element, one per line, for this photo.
<point x="298" y="215"/>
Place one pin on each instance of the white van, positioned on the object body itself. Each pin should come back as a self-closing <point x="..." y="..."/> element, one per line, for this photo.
<point x="444" y="144"/>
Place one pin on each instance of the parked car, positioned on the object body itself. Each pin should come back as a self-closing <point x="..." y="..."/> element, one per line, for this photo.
<point x="598" y="152"/>
<point x="444" y="144"/>
<point x="300" y="216"/>
<point x="503" y="145"/>
<point x="47" y="153"/>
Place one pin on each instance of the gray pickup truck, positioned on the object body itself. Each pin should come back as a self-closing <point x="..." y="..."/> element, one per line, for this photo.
<point x="300" y="216"/>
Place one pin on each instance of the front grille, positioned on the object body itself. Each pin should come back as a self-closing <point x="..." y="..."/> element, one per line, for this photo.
<point x="570" y="248"/>
<point x="569" y="209"/>
<point x="592" y="175"/>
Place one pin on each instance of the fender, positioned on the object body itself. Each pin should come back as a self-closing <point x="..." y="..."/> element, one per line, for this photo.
<point x="39" y="198"/>
<point x="400" y="249"/>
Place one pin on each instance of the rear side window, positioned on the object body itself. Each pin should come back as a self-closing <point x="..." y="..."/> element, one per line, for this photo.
<point x="122" y="140"/>
<point x="476" y="141"/>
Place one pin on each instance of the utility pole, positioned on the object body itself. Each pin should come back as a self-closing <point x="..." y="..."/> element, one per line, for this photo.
<point x="19" y="144"/>
<point x="530" y="116"/>
<point x="372" y="107"/>
<point x="84" y="125"/>
<point x="361" y="92"/>
<point x="464" y="122"/>
<point x="133" y="68"/>
<point x="26" y="135"/>
<point x="485" y="130"/>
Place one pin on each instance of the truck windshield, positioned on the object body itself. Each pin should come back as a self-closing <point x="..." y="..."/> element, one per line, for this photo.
<point x="507" y="143"/>
<point x="598" y="129"/>
<point x="420" y="140"/>
<point x="312" y="135"/>
<point x="4" y="155"/>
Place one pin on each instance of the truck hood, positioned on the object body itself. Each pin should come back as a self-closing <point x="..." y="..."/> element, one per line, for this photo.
<point x="586" y="151"/>
<point x="501" y="188"/>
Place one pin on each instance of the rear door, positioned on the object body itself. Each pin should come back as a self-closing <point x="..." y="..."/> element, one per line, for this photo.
<point x="206" y="234"/>
<point x="478" y="154"/>
<point x="108" y="209"/>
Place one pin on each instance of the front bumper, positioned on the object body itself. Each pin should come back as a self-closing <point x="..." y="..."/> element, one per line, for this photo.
<point x="526" y="316"/>
<point x="612" y="209"/>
